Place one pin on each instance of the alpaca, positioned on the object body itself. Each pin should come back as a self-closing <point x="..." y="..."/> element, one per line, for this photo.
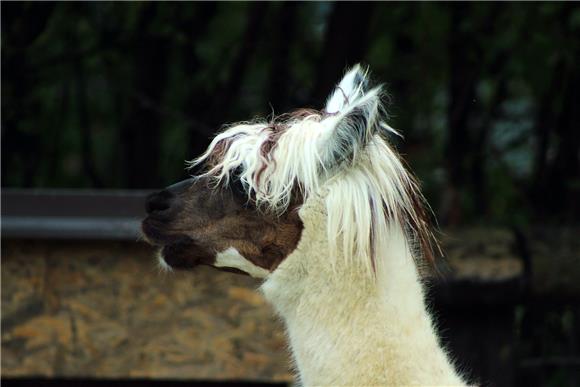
<point x="318" y="205"/>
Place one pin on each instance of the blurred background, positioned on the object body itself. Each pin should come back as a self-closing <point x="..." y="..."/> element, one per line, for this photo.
<point x="103" y="102"/>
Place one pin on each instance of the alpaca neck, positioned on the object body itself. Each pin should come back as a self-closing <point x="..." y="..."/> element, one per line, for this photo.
<point x="348" y="328"/>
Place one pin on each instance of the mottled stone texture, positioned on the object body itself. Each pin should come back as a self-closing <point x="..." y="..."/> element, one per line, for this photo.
<point x="554" y="253"/>
<point x="103" y="309"/>
<point x="480" y="254"/>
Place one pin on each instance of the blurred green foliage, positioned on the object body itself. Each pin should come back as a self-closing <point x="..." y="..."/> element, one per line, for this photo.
<point x="118" y="95"/>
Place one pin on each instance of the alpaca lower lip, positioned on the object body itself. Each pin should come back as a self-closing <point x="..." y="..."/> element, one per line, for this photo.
<point x="184" y="253"/>
<point x="152" y="233"/>
<point x="175" y="257"/>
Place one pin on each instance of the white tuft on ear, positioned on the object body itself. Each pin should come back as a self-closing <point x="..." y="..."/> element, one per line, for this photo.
<point x="352" y="86"/>
<point x="353" y="118"/>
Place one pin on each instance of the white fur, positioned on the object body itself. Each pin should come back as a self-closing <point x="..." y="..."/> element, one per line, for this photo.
<point x="161" y="264"/>
<point x="231" y="258"/>
<point x="349" y="89"/>
<point x="302" y="158"/>
<point x="350" y="293"/>
<point x="345" y="328"/>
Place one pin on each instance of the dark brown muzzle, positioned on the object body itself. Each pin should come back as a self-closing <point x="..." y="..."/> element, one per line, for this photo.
<point x="163" y="205"/>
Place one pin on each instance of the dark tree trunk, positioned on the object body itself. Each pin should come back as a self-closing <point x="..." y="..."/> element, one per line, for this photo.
<point x="55" y="151"/>
<point x="140" y="132"/>
<point x="401" y="73"/>
<point x="554" y="188"/>
<point x="544" y="128"/>
<point x="345" y="44"/>
<point x="561" y="191"/>
<point x="229" y="90"/>
<point x="194" y="30"/>
<point x="225" y="94"/>
<point x="478" y="162"/>
<point x="282" y="47"/>
<point x="89" y="168"/>
<point x="19" y="78"/>
<point x="462" y="81"/>
<point x="496" y="68"/>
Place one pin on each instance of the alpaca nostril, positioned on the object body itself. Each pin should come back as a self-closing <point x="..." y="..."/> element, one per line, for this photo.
<point x="159" y="202"/>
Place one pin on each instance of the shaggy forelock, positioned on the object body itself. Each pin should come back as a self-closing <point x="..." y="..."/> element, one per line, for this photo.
<point x="344" y="157"/>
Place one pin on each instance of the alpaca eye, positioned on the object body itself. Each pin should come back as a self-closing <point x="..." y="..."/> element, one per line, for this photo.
<point x="237" y="186"/>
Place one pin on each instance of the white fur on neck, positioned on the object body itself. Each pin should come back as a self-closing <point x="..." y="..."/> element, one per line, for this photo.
<point x="231" y="258"/>
<point x="348" y="328"/>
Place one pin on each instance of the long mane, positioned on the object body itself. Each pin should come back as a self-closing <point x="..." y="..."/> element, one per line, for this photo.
<point x="365" y="194"/>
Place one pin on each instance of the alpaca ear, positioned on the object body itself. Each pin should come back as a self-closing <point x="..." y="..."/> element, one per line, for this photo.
<point x="353" y="118"/>
<point x="353" y="85"/>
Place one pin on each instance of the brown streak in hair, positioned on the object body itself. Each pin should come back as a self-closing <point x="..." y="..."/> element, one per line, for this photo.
<point x="421" y="223"/>
<point x="267" y="148"/>
<point x="298" y="114"/>
<point x="418" y="218"/>
<point x="277" y="126"/>
<point x="219" y="151"/>
<point x="305" y="112"/>
<point x="344" y="95"/>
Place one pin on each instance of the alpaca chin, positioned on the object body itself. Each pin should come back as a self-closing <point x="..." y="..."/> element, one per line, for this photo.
<point x="163" y="266"/>
<point x="232" y="259"/>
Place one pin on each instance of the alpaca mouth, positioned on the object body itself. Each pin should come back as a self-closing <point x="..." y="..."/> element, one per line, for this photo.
<point x="181" y="254"/>
<point x="178" y="251"/>
<point x="186" y="255"/>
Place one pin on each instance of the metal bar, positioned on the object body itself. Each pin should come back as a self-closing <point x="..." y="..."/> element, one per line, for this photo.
<point x="72" y="214"/>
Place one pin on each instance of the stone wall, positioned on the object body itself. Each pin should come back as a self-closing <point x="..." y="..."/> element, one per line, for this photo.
<point x="104" y="310"/>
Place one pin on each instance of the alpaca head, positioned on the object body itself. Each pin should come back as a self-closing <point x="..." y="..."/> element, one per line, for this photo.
<point x="242" y="212"/>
